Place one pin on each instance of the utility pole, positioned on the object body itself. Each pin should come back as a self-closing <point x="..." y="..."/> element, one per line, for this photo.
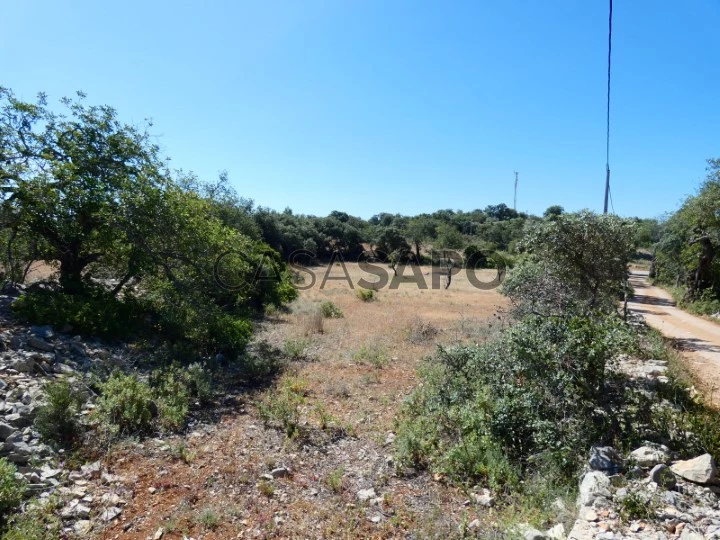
<point x="515" y="199"/>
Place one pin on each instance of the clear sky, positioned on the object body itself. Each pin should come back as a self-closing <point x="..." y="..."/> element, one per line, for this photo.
<point x="402" y="106"/>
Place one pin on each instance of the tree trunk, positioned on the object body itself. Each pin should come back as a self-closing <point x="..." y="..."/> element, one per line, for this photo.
<point x="701" y="280"/>
<point x="71" y="267"/>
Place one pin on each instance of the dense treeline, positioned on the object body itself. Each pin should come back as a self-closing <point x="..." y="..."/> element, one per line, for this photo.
<point x="497" y="228"/>
<point x="686" y="251"/>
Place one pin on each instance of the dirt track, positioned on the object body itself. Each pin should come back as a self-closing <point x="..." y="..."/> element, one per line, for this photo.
<point x="699" y="339"/>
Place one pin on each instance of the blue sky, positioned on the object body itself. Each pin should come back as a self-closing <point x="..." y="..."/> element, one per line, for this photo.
<point x="402" y="106"/>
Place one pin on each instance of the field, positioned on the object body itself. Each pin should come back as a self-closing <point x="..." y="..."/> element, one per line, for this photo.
<point x="348" y="383"/>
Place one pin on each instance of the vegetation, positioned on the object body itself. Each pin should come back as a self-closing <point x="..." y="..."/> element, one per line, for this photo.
<point x="11" y="490"/>
<point x="130" y="406"/>
<point x="530" y="403"/>
<point x="57" y="420"/>
<point x="366" y="295"/>
<point x="686" y="253"/>
<point x="575" y="263"/>
<point x="140" y="252"/>
<point x="330" y="311"/>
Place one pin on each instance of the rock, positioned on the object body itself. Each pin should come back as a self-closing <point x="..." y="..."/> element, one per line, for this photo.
<point x="23" y="364"/>
<point x="484" y="499"/>
<point x="91" y="470"/>
<point x="82" y="528"/>
<point x="650" y="455"/>
<point x="159" y="534"/>
<point x="366" y="494"/>
<point x="48" y="473"/>
<point x="280" y="472"/>
<point x="75" y="510"/>
<point x="112" y="499"/>
<point x="82" y="511"/>
<point x="6" y="430"/>
<point x="44" y="332"/>
<point x="689" y="534"/>
<point x="40" y="344"/>
<point x="474" y="524"/>
<point x="557" y="532"/>
<point x="108" y="478"/>
<point x="663" y="476"/>
<point x="530" y="533"/>
<point x="110" y="513"/>
<point x="605" y="458"/>
<point x="594" y="484"/>
<point x="701" y="470"/>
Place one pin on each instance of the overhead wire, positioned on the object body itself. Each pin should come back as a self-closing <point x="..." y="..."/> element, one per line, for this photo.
<point x="607" y="139"/>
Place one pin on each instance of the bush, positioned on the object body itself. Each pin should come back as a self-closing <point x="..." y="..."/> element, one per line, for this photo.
<point x="172" y="399"/>
<point x="57" y="421"/>
<point x="314" y="323"/>
<point x="374" y="354"/>
<point x="295" y="349"/>
<point x="39" y="520"/>
<point x="366" y="295"/>
<point x="421" y="332"/>
<point x="489" y="412"/>
<point x="99" y="315"/>
<point x="126" y="406"/>
<point x="130" y="406"/>
<point x="12" y="490"/>
<point x="281" y="407"/>
<point x="330" y="311"/>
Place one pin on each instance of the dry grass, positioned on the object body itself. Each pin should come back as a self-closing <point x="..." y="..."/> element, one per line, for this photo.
<point x="346" y="415"/>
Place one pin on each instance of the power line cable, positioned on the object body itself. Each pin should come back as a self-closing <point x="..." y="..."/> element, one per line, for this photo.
<point x="607" y="140"/>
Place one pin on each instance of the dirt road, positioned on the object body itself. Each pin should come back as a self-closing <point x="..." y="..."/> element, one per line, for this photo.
<point x="699" y="339"/>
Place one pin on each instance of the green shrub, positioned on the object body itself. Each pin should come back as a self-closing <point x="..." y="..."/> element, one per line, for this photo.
<point x="489" y="412"/>
<point x="172" y="399"/>
<point x="57" y="421"/>
<point x="39" y="520"/>
<point x="126" y="406"/>
<point x="198" y="381"/>
<point x="366" y="295"/>
<point x="336" y="480"/>
<point x="330" y="311"/>
<point x="99" y="315"/>
<point x="373" y="354"/>
<point x="12" y="490"/>
<point x="281" y="407"/>
<point x="295" y="349"/>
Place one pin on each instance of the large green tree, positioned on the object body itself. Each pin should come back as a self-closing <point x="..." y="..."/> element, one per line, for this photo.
<point x="81" y="181"/>
<point x="574" y="264"/>
<point x="688" y="249"/>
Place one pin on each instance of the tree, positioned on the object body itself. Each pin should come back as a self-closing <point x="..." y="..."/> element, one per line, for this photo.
<point x="390" y="239"/>
<point x="79" y="182"/>
<point x="553" y="211"/>
<point x="93" y="195"/>
<point x="419" y="230"/>
<point x="576" y="264"/>
<point x="500" y="212"/>
<point x="691" y="240"/>
<point x="448" y="237"/>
